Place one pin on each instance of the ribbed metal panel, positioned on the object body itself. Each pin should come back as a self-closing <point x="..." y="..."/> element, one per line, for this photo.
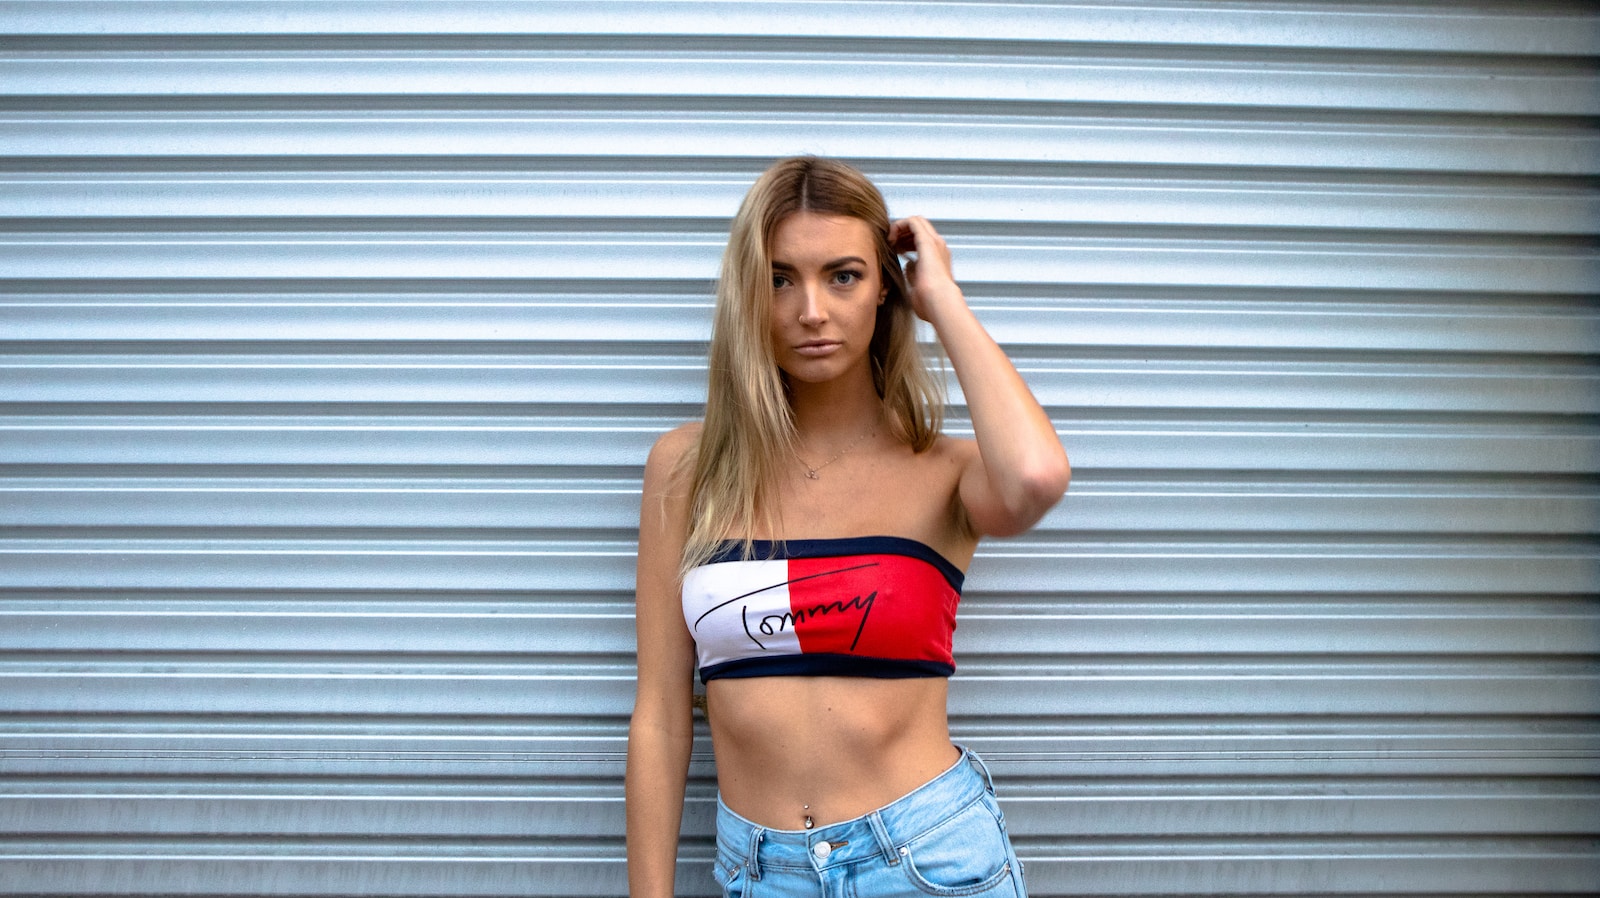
<point x="333" y="336"/>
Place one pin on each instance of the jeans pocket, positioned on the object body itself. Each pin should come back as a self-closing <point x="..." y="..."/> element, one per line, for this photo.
<point x="729" y="874"/>
<point x="966" y="855"/>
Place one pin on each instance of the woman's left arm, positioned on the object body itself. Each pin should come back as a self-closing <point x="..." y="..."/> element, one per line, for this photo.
<point x="1020" y="469"/>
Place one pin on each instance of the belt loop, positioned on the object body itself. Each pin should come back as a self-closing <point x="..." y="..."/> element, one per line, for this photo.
<point x="988" y="780"/>
<point x="753" y="862"/>
<point x="881" y="834"/>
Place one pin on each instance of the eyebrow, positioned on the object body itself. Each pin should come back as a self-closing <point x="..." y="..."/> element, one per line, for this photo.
<point x="840" y="262"/>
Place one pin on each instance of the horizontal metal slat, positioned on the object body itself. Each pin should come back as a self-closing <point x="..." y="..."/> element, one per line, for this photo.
<point x="1061" y="317"/>
<point x="1031" y="749"/>
<point x="589" y="690"/>
<point x="1510" y="28"/>
<point x="1322" y="568"/>
<point x="1116" y="197"/>
<point x="1570" y="567"/>
<point x="1530" y="147"/>
<point x="1468" y="867"/>
<point x="425" y="632"/>
<point x="599" y="378"/>
<point x="288" y="316"/>
<point x="1203" y="634"/>
<point x="1345" y="82"/>
<point x="459" y="255"/>
<point x="340" y="871"/>
<point x="1320" y="505"/>
<point x="1522" y="386"/>
<point x="1197" y="811"/>
<point x="1094" y="505"/>
<point x="1329" y="690"/>
<point x="1388" y="323"/>
<point x="440" y="504"/>
<point x="532" y="628"/>
<point x="1215" y="443"/>
<point x="1439" y="866"/>
<point x="598" y="691"/>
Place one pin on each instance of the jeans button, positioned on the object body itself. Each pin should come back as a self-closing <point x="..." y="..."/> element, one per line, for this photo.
<point x="822" y="850"/>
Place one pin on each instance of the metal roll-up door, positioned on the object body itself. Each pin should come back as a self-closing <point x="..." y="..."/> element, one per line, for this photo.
<point x="335" y="333"/>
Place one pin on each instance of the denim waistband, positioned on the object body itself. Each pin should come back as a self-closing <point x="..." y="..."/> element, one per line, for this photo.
<point x="881" y="833"/>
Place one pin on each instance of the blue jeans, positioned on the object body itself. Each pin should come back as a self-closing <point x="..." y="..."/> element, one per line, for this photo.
<point x="945" y="838"/>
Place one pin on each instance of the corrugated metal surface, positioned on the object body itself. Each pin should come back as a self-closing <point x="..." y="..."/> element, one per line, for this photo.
<point x="334" y="335"/>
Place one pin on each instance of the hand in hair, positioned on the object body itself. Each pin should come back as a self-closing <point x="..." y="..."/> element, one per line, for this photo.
<point x="929" y="277"/>
<point x="1019" y="469"/>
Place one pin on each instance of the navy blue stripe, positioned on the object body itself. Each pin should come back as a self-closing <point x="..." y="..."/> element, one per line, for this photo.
<point x="767" y="549"/>
<point x="825" y="664"/>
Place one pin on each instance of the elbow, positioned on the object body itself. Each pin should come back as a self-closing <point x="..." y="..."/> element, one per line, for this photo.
<point x="1049" y="482"/>
<point x="1036" y="490"/>
<point x="1044" y="482"/>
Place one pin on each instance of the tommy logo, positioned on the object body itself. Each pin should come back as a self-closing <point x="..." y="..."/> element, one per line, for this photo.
<point x="772" y="624"/>
<point x="800" y="607"/>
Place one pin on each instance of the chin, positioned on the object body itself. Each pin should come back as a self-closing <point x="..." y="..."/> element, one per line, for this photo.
<point x="813" y="372"/>
<point x="821" y="371"/>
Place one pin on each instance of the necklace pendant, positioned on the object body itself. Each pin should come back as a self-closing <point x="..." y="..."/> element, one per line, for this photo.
<point x="811" y="473"/>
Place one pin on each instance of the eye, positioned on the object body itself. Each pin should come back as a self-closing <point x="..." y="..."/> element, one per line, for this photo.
<point x="846" y="278"/>
<point x="779" y="282"/>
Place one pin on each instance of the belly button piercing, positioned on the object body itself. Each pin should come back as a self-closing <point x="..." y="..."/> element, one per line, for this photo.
<point x="809" y="822"/>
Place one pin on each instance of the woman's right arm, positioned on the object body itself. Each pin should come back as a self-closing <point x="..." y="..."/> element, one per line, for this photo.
<point x="662" y="729"/>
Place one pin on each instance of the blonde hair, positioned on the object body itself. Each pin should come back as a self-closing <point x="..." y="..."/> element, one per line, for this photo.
<point x="748" y="433"/>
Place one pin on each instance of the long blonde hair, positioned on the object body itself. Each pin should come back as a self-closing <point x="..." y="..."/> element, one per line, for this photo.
<point x="748" y="433"/>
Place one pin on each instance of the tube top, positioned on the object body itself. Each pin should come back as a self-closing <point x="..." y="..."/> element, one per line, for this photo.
<point x="866" y="606"/>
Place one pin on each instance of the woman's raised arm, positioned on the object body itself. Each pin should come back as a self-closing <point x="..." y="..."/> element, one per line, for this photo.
<point x="1020" y="468"/>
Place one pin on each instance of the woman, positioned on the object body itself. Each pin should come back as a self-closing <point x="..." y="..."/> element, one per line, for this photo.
<point x="804" y="546"/>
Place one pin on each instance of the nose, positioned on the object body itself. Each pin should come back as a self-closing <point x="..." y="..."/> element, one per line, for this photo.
<point x="812" y="314"/>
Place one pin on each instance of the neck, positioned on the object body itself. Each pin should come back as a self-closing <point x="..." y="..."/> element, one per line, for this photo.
<point x="837" y="410"/>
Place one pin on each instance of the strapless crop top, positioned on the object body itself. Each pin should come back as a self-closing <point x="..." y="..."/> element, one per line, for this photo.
<point x="868" y="606"/>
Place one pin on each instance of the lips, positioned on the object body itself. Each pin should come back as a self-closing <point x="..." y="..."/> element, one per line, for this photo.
<point x="817" y="347"/>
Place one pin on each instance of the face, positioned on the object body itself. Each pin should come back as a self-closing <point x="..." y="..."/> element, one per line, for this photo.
<point x="826" y="287"/>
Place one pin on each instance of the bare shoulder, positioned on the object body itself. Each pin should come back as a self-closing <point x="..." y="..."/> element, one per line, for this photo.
<point x="669" y="451"/>
<point x="671" y="445"/>
<point x="666" y="480"/>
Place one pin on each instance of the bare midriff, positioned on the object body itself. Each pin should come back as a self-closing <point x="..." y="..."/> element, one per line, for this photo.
<point x="825" y="748"/>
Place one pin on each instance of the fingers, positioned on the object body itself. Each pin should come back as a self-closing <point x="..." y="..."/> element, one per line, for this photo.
<point x="915" y="234"/>
<point x="907" y="234"/>
<point x="901" y="239"/>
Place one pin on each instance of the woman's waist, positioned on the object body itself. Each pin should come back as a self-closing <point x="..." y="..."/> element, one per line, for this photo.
<point x="848" y="712"/>
<point x="825" y="748"/>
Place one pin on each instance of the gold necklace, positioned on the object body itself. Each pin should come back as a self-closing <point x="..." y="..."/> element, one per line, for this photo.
<point x="811" y="470"/>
